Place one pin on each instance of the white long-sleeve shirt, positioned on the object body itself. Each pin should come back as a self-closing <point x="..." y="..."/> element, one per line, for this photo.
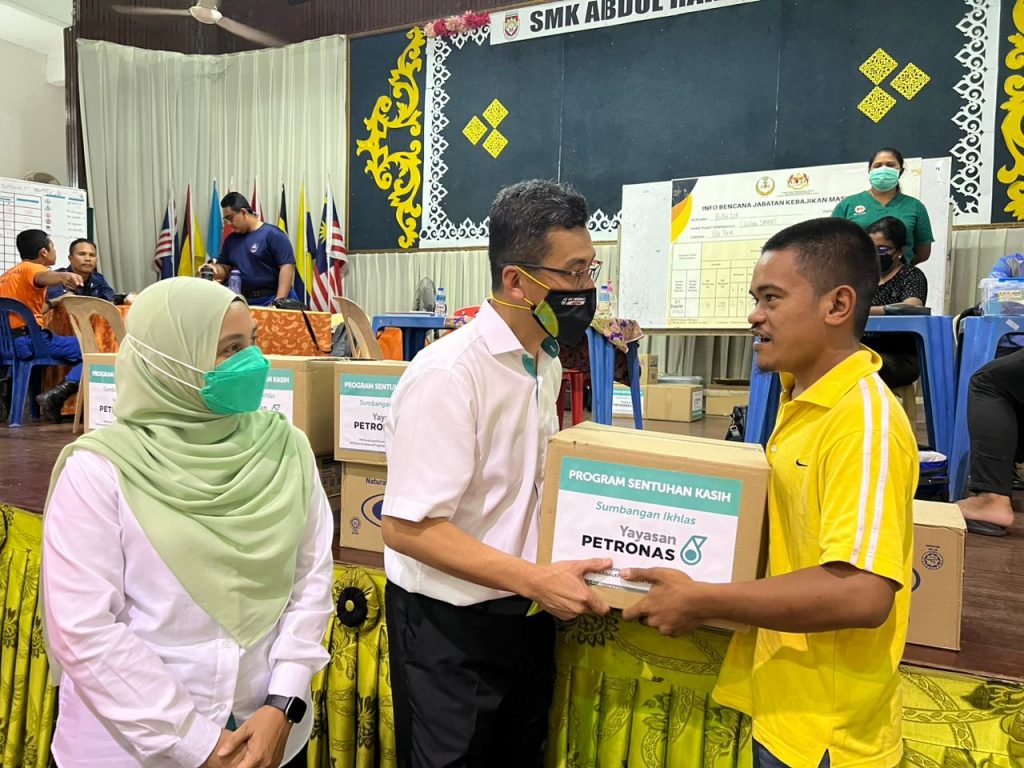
<point x="149" y="677"/>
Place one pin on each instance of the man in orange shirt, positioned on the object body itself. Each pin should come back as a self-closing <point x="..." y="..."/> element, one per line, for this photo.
<point x="27" y="282"/>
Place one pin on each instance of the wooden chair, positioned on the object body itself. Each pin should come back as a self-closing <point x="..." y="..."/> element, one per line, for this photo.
<point x="360" y="332"/>
<point x="81" y="311"/>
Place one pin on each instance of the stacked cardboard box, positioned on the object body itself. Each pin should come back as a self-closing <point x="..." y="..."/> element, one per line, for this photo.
<point x="660" y="403"/>
<point x="937" y="599"/>
<point x="720" y="399"/>
<point x="362" y="398"/>
<point x="649" y="366"/>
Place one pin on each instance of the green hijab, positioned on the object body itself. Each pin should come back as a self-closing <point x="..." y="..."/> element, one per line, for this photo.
<point x="222" y="499"/>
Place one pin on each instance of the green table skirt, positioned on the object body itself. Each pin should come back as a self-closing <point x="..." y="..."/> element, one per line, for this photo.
<point x="624" y="695"/>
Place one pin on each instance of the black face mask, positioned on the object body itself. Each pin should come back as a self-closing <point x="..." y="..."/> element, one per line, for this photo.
<point x="885" y="262"/>
<point x="566" y="315"/>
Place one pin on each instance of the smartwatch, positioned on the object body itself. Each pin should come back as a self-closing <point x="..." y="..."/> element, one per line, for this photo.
<point x="293" y="707"/>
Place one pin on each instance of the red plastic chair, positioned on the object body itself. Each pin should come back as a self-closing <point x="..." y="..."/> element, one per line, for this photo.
<point x="576" y="381"/>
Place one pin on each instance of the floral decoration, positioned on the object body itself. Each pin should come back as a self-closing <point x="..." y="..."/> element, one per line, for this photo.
<point x="450" y="26"/>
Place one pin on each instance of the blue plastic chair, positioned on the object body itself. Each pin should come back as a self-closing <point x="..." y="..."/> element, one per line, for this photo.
<point x="935" y="351"/>
<point x="602" y="377"/>
<point x="981" y="337"/>
<point x="22" y="369"/>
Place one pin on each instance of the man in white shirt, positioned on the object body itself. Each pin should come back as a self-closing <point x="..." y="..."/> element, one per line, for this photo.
<point x="471" y="673"/>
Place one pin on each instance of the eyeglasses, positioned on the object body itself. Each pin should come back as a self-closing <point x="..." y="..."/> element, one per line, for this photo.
<point x="581" y="277"/>
<point x="884" y="250"/>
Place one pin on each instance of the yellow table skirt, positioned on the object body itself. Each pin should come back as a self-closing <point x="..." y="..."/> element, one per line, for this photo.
<point x="624" y="695"/>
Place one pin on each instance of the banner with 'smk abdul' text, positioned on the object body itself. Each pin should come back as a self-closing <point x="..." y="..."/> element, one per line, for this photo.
<point x="562" y="16"/>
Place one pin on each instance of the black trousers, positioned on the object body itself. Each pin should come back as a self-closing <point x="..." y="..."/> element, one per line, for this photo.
<point x="995" y="418"/>
<point x="471" y="685"/>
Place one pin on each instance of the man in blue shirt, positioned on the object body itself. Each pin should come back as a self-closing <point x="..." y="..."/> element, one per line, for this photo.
<point x="261" y="252"/>
<point x="82" y="257"/>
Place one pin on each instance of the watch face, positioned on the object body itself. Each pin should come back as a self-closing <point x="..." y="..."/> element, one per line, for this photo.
<point x="295" y="710"/>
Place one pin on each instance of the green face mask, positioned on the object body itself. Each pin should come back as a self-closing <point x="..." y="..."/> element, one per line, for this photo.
<point x="237" y="384"/>
<point x="234" y="386"/>
<point x="885" y="178"/>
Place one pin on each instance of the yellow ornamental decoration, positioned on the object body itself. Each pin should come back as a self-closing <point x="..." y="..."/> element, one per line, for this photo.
<point x="1013" y="136"/>
<point x="909" y="82"/>
<point x="878" y="66"/>
<point x="399" y="170"/>
<point x="495" y="143"/>
<point x="876" y="104"/>
<point x="474" y="130"/>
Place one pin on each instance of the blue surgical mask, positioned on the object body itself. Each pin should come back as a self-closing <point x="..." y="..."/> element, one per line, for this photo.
<point x="234" y="386"/>
<point x="885" y="178"/>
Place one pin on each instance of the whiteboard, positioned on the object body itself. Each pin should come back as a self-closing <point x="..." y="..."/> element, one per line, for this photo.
<point x="646" y="253"/>
<point x="61" y="212"/>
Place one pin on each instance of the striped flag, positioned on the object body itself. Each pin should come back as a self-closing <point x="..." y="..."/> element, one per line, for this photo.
<point x="166" y="254"/>
<point x="193" y="255"/>
<point x="321" y="293"/>
<point x="337" y="254"/>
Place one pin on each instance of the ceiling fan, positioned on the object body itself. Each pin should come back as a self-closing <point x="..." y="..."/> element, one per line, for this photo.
<point x="205" y="12"/>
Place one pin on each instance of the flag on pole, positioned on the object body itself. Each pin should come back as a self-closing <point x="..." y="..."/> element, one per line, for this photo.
<point x="215" y="230"/>
<point x="314" y="286"/>
<point x="166" y="255"/>
<point x="321" y="294"/>
<point x="282" y="223"/>
<point x="228" y="229"/>
<point x="337" y="254"/>
<point x="193" y="255"/>
<point x="257" y="207"/>
<point x="303" y="263"/>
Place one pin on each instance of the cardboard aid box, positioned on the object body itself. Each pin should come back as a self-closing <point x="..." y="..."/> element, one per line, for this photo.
<point x="720" y="399"/>
<point x="330" y="478"/>
<point x="937" y="598"/>
<point x="98" y="393"/>
<point x="298" y="387"/>
<point x="674" y="402"/>
<point x="362" y="499"/>
<point x="649" y="369"/>
<point x="622" y="401"/>
<point x="362" y="399"/>
<point x="649" y="499"/>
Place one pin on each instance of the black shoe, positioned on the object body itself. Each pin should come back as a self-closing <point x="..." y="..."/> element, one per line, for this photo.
<point x="52" y="401"/>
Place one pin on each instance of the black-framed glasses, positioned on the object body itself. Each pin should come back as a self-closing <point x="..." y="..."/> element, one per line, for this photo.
<point x="884" y="250"/>
<point x="590" y="273"/>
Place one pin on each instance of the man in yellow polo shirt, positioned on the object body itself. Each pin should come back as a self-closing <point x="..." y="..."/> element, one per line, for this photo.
<point x="819" y="673"/>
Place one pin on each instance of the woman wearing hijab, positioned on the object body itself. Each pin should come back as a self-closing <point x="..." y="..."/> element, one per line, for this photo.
<point x="186" y="553"/>
<point x="884" y="198"/>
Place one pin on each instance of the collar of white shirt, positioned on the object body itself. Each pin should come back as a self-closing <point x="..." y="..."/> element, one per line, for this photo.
<point x="500" y="339"/>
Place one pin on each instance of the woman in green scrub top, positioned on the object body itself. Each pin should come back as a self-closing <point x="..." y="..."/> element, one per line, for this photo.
<point x="884" y="198"/>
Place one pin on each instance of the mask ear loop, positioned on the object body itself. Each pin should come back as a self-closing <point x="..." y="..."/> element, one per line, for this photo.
<point x="136" y="343"/>
<point x="530" y="303"/>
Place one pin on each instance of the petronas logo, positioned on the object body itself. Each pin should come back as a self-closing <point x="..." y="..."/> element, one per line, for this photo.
<point x="690" y="553"/>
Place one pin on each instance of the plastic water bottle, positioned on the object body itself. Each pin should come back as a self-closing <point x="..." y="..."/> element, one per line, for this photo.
<point x="604" y="307"/>
<point x="440" y="303"/>
<point x="235" y="281"/>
